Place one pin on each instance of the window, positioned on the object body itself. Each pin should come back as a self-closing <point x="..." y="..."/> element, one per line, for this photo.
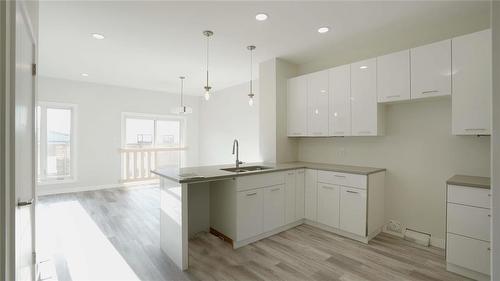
<point x="150" y="141"/>
<point x="152" y="131"/>
<point x="55" y="142"/>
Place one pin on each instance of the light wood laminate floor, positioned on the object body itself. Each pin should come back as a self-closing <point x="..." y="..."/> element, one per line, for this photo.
<point x="114" y="235"/>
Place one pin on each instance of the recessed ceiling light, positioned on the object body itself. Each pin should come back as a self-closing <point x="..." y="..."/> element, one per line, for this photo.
<point x="261" y="17"/>
<point x="363" y="67"/>
<point x="323" y="29"/>
<point x="85" y="74"/>
<point x="97" y="36"/>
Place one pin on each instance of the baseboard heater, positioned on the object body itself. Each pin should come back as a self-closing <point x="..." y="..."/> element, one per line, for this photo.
<point x="418" y="237"/>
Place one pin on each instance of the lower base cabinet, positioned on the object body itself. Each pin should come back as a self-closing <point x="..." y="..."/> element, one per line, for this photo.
<point x="468" y="219"/>
<point x="353" y="210"/>
<point x="248" y="208"/>
<point x="328" y="204"/>
<point x="249" y="213"/>
<point x="274" y="207"/>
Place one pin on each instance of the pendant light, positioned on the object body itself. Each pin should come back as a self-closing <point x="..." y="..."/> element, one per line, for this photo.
<point x="207" y="88"/>
<point x="183" y="109"/>
<point x="251" y="94"/>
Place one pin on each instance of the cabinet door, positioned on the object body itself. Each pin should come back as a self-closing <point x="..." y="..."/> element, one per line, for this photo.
<point x="393" y="77"/>
<point x="328" y="204"/>
<point x="249" y="213"/>
<point x="471" y="102"/>
<point x="290" y="197"/>
<point x="299" y="194"/>
<point x="340" y="101"/>
<point x="297" y="106"/>
<point x="353" y="210"/>
<point x="364" y="98"/>
<point x="274" y="207"/>
<point x="431" y="70"/>
<point x="311" y="195"/>
<point x="317" y="104"/>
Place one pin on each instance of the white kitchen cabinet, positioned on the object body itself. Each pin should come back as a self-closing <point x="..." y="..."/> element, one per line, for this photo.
<point x="328" y="204"/>
<point x="364" y="108"/>
<point x="299" y="194"/>
<point x="393" y="77"/>
<point x="340" y="101"/>
<point x="274" y="207"/>
<point x="471" y="100"/>
<point x="290" y="196"/>
<point x="297" y="106"/>
<point x="249" y="213"/>
<point x="431" y="70"/>
<point x="311" y="195"/>
<point x="468" y="220"/>
<point x="317" y="104"/>
<point x="353" y="210"/>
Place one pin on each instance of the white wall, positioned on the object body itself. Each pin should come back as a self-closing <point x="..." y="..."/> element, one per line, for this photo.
<point x="225" y="117"/>
<point x="495" y="144"/>
<point x="420" y="154"/>
<point x="99" y="117"/>
<point x="418" y="150"/>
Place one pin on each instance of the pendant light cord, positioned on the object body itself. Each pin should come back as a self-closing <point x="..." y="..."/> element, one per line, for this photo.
<point x="208" y="46"/>
<point x="251" y="71"/>
<point x="182" y="92"/>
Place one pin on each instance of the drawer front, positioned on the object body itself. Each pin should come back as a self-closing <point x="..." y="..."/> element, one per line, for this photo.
<point x="260" y="180"/>
<point x="470" y="196"/>
<point x="343" y="179"/>
<point x="469" y="221"/>
<point x="468" y="252"/>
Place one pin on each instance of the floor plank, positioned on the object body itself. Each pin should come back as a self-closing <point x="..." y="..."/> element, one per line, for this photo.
<point x="79" y="230"/>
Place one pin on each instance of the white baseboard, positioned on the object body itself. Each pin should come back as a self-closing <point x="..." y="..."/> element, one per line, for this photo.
<point x="45" y="190"/>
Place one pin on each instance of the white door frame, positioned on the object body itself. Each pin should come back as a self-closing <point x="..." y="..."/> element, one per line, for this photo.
<point x="8" y="11"/>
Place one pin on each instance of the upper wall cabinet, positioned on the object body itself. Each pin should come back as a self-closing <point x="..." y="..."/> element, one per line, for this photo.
<point x="471" y="112"/>
<point x="317" y="104"/>
<point x="393" y="77"/>
<point x="431" y="70"/>
<point x="340" y="101"/>
<point x="297" y="106"/>
<point x="364" y="108"/>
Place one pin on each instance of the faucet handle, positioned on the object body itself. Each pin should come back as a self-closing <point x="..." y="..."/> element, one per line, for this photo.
<point x="240" y="162"/>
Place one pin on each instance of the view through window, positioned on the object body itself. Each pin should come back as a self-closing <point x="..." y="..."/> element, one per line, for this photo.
<point x="150" y="142"/>
<point x="55" y="137"/>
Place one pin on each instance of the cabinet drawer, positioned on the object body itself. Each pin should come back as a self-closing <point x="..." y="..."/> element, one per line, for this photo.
<point x="471" y="196"/>
<point x="260" y="180"/>
<point x="469" y="221"/>
<point x="353" y="210"/>
<point x="343" y="179"/>
<point x="469" y="253"/>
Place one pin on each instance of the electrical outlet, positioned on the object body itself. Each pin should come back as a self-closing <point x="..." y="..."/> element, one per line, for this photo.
<point x="395" y="226"/>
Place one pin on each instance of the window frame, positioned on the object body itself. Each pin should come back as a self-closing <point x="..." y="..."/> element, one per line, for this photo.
<point x="42" y="136"/>
<point x="154" y="117"/>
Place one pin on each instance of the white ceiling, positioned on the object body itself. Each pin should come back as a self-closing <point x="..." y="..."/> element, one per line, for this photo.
<point x="149" y="44"/>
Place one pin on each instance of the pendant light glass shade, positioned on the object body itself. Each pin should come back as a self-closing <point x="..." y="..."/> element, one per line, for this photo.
<point x="207" y="87"/>
<point x="251" y="94"/>
<point x="182" y="109"/>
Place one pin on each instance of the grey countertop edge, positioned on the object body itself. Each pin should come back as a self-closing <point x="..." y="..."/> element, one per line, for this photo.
<point x="302" y="165"/>
<point x="470" y="181"/>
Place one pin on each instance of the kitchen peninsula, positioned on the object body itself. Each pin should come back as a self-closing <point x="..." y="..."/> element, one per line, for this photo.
<point x="251" y="202"/>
